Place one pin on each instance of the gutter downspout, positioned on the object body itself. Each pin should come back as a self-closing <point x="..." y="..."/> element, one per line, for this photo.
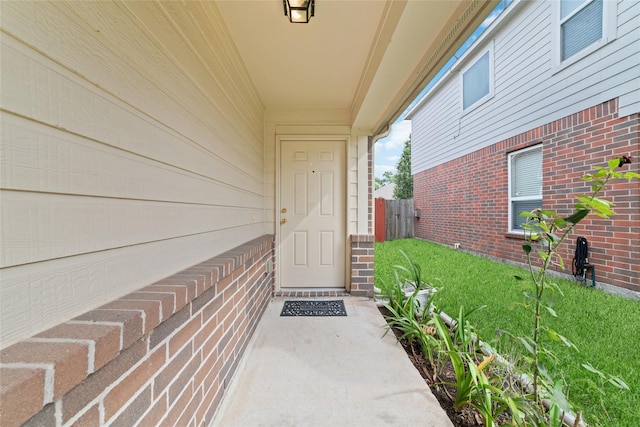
<point x="384" y="132"/>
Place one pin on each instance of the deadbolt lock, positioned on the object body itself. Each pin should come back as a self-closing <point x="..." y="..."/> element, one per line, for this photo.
<point x="283" y="210"/>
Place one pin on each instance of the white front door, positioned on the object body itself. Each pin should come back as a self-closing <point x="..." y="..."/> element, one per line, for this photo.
<point x="312" y="214"/>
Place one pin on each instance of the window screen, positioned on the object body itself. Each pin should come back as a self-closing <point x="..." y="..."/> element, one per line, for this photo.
<point x="522" y="206"/>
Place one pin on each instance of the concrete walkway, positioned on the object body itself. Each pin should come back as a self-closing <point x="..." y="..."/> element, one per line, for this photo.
<point x="327" y="371"/>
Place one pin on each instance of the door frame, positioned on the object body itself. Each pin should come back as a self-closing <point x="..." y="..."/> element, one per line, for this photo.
<point x="344" y="139"/>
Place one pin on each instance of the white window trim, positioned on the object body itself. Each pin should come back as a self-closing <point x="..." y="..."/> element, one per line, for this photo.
<point x="488" y="96"/>
<point x="609" y="33"/>
<point x="511" y="230"/>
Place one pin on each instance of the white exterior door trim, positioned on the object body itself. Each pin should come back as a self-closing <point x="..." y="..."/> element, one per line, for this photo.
<point x="278" y="216"/>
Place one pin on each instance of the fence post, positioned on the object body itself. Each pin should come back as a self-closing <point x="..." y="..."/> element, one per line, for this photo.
<point x="380" y="215"/>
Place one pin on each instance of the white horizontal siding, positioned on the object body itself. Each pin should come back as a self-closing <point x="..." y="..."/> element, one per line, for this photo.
<point x="438" y="120"/>
<point x="131" y="147"/>
<point x="128" y="110"/>
<point x="527" y="91"/>
<point x="45" y="226"/>
<point x="51" y="160"/>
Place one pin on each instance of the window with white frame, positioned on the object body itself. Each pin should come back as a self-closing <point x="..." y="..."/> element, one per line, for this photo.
<point x="477" y="81"/>
<point x="525" y="184"/>
<point x="583" y="25"/>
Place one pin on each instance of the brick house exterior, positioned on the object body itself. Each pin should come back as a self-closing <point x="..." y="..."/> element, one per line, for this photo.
<point x="521" y="87"/>
<point x="572" y="146"/>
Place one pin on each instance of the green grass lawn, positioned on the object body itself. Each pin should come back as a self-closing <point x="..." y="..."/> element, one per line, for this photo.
<point x="605" y="328"/>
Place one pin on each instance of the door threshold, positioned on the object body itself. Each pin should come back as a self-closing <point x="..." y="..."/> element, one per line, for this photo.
<point x="311" y="292"/>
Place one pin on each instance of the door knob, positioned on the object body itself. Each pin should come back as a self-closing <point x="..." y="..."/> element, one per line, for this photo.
<point x="283" y="221"/>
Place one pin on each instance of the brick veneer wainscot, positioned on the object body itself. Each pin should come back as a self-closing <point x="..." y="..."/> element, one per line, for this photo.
<point x="161" y="355"/>
<point x="362" y="247"/>
<point x="465" y="200"/>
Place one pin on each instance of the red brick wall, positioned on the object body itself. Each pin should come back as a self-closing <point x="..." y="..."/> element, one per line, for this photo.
<point x="362" y="248"/>
<point x="160" y="356"/>
<point x="465" y="200"/>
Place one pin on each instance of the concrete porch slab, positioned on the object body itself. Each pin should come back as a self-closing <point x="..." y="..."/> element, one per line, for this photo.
<point x="327" y="371"/>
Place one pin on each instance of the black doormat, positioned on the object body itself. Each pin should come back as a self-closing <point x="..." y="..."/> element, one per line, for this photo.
<point x="313" y="308"/>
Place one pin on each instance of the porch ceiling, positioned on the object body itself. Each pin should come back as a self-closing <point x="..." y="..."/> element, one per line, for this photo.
<point x="371" y="57"/>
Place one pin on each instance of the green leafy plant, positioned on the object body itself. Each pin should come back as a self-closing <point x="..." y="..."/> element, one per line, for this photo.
<point x="413" y="328"/>
<point x="464" y="333"/>
<point x="488" y="399"/>
<point x="456" y="342"/>
<point x="478" y="388"/>
<point x="549" y="230"/>
<point x="412" y="274"/>
<point x="474" y="385"/>
<point x="407" y="314"/>
<point x="408" y="293"/>
<point x="459" y="336"/>
<point x="464" y="380"/>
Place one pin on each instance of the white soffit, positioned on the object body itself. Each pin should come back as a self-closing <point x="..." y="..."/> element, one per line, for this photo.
<point x="369" y="56"/>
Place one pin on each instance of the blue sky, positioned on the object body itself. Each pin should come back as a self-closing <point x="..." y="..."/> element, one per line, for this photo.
<point x="388" y="149"/>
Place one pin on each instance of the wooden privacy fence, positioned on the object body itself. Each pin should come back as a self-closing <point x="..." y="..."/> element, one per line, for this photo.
<point x="394" y="219"/>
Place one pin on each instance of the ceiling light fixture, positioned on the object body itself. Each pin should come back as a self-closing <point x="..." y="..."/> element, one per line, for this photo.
<point x="299" y="11"/>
